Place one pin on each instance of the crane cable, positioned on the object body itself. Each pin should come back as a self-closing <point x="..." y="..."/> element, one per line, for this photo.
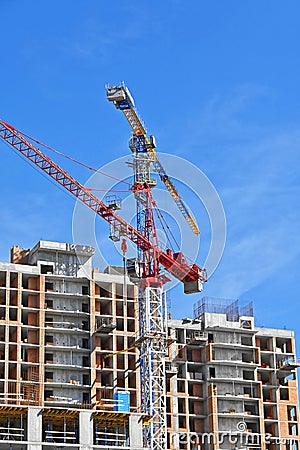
<point x="165" y="225"/>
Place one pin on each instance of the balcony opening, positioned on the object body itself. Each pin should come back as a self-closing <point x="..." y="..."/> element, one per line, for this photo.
<point x="210" y="338"/>
<point x="180" y="386"/>
<point x="49" y="304"/>
<point x="48" y="377"/>
<point x="266" y="360"/>
<point x="168" y="404"/>
<point x="248" y="375"/>
<point x="106" y="308"/>
<point x="251" y="409"/>
<point x="86" y="397"/>
<point x="180" y="336"/>
<point x="2" y="313"/>
<point x="131" y="325"/>
<point x="119" y="291"/>
<point x="182" y="421"/>
<point x="120" y="324"/>
<point x="49" y="358"/>
<point x="131" y="362"/>
<point x="181" y="406"/>
<point x="246" y="340"/>
<point x="85" y="290"/>
<point x="130" y="292"/>
<point x="293" y="429"/>
<point x="292" y="413"/>
<point x="247" y="358"/>
<point x="265" y="343"/>
<point x="48" y="395"/>
<point x="121" y="381"/>
<point x="212" y="372"/>
<point x="267" y="395"/>
<point x="49" y="322"/>
<point x="120" y="362"/>
<point x="284" y="394"/>
<point x="131" y="343"/>
<point x="12" y="314"/>
<point x="46" y="269"/>
<point x="130" y="309"/>
<point x="85" y="361"/>
<point x="120" y="309"/>
<point x="105" y="290"/>
<point x="49" y="286"/>
<point x="106" y="343"/>
<point x="283" y="345"/>
<point x="132" y="381"/>
<point x="2" y="333"/>
<point x="85" y="343"/>
<point x="86" y="379"/>
<point x="48" y="340"/>
<point x="106" y="379"/>
<point x="85" y="307"/>
<point x="252" y="427"/>
<point x="168" y="385"/>
<point x="269" y="412"/>
<point x="85" y="325"/>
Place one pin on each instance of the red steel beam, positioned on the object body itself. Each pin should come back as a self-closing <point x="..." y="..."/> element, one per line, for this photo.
<point x="174" y="265"/>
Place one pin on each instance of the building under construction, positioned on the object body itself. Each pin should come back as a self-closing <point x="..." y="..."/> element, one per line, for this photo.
<point x="70" y="368"/>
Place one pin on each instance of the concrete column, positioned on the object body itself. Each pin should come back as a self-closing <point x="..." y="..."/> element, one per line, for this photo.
<point x="34" y="428"/>
<point x="174" y="399"/>
<point x="86" y="430"/>
<point x="136" y="432"/>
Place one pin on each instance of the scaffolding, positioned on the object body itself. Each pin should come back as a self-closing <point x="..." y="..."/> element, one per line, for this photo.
<point x="231" y="308"/>
<point x="60" y="426"/>
<point x="111" y="429"/>
<point x="12" y="422"/>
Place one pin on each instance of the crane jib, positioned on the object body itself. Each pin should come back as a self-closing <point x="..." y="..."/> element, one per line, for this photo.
<point x="179" y="269"/>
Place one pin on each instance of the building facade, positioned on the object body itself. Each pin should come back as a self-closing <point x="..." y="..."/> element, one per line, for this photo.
<point x="64" y="331"/>
<point x="69" y="364"/>
<point x="235" y="385"/>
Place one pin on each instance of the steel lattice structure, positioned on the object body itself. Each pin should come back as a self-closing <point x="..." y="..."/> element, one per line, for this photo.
<point x="153" y="350"/>
<point x="174" y="263"/>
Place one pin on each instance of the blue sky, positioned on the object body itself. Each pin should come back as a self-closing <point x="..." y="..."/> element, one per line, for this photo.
<point x="216" y="82"/>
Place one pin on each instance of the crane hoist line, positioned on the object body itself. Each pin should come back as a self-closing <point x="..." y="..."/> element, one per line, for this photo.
<point x="121" y="97"/>
<point x="175" y="263"/>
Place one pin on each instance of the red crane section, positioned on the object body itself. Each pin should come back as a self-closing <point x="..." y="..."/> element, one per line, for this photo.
<point x="175" y="263"/>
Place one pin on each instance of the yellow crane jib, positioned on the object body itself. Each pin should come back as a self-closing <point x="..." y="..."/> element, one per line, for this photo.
<point x="121" y="97"/>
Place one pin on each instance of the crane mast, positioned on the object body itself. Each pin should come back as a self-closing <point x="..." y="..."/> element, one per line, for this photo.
<point x="152" y="340"/>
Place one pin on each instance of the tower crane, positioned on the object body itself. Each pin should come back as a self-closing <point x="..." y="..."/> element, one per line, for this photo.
<point x="152" y="298"/>
<point x="152" y="339"/>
